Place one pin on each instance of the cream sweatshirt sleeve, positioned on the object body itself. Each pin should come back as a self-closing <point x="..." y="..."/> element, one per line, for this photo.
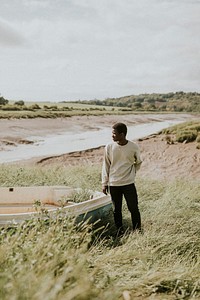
<point x="138" y="161"/>
<point x="106" y="166"/>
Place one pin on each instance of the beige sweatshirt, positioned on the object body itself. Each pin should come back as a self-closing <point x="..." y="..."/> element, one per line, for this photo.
<point x="120" y="164"/>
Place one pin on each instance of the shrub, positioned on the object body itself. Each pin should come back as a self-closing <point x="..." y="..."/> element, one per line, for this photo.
<point x="52" y="107"/>
<point x="186" y="136"/>
<point x="34" y="106"/>
<point x="20" y="103"/>
<point x="3" y="101"/>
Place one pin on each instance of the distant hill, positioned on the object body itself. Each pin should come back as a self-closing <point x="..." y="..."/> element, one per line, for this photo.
<point x="178" y="101"/>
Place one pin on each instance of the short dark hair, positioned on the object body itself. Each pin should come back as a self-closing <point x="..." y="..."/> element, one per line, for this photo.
<point x="120" y="128"/>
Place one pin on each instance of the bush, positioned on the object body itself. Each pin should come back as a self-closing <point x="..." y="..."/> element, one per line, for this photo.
<point x="52" y="107"/>
<point x="34" y="106"/>
<point x="20" y="103"/>
<point x="3" y="101"/>
<point x="186" y="136"/>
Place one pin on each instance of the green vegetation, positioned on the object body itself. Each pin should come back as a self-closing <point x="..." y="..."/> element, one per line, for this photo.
<point x="170" y="102"/>
<point x="57" y="260"/>
<point x="21" y="109"/>
<point x="3" y="101"/>
<point x="17" y="112"/>
<point x="40" y="113"/>
<point x="184" y="132"/>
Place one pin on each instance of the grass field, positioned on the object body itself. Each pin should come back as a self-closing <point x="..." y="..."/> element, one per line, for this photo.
<point x="57" y="260"/>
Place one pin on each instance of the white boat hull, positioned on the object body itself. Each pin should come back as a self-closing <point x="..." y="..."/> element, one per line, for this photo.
<point x="18" y="204"/>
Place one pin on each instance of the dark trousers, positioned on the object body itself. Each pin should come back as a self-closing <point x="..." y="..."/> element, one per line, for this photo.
<point x="130" y="195"/>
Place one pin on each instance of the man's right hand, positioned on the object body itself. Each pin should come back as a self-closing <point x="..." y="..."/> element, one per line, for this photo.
<point x="105" y="190"/>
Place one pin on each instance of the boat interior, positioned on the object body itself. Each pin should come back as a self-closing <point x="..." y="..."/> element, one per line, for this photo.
<point x="24" y="208"/>
<point x="16" y="200"/>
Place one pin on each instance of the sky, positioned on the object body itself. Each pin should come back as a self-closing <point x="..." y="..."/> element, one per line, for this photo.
<point x="62" y="50"/>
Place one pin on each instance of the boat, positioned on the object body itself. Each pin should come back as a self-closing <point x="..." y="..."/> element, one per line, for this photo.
<point x="18" y="204"/>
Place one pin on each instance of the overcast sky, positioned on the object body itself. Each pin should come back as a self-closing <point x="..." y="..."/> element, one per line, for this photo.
<point x="55" y="50"/>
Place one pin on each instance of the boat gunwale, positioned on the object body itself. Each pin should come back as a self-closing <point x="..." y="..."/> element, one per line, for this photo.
<point x="71" y="207"/>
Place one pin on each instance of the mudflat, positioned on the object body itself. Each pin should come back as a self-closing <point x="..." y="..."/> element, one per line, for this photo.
<point x="161" y="160"/>
<point x="16" y="129"/>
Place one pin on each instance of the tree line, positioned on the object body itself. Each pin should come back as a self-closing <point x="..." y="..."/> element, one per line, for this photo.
<point x="178" y="101"/>
<point x="172" y="102"/>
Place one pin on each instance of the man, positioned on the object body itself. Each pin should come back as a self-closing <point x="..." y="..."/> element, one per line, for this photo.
<point x="120" y="164"/>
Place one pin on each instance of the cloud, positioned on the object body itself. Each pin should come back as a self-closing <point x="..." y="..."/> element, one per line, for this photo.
<point x="97" y="49"/>
<point x="10" y="37"/>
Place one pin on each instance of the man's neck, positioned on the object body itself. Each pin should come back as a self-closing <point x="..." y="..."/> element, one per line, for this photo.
<point x="122" y="143"/>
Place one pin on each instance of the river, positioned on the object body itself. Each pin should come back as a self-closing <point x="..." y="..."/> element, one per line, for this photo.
<point x="70" y="142"/>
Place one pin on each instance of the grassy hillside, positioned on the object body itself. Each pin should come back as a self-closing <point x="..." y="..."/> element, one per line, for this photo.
<point x="179" y="102"/>
<point x="56" y="260"/>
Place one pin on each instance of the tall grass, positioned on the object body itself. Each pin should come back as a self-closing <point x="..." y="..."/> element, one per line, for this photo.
<point x="58" y="260"/>
<point x="184" y="132"/>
